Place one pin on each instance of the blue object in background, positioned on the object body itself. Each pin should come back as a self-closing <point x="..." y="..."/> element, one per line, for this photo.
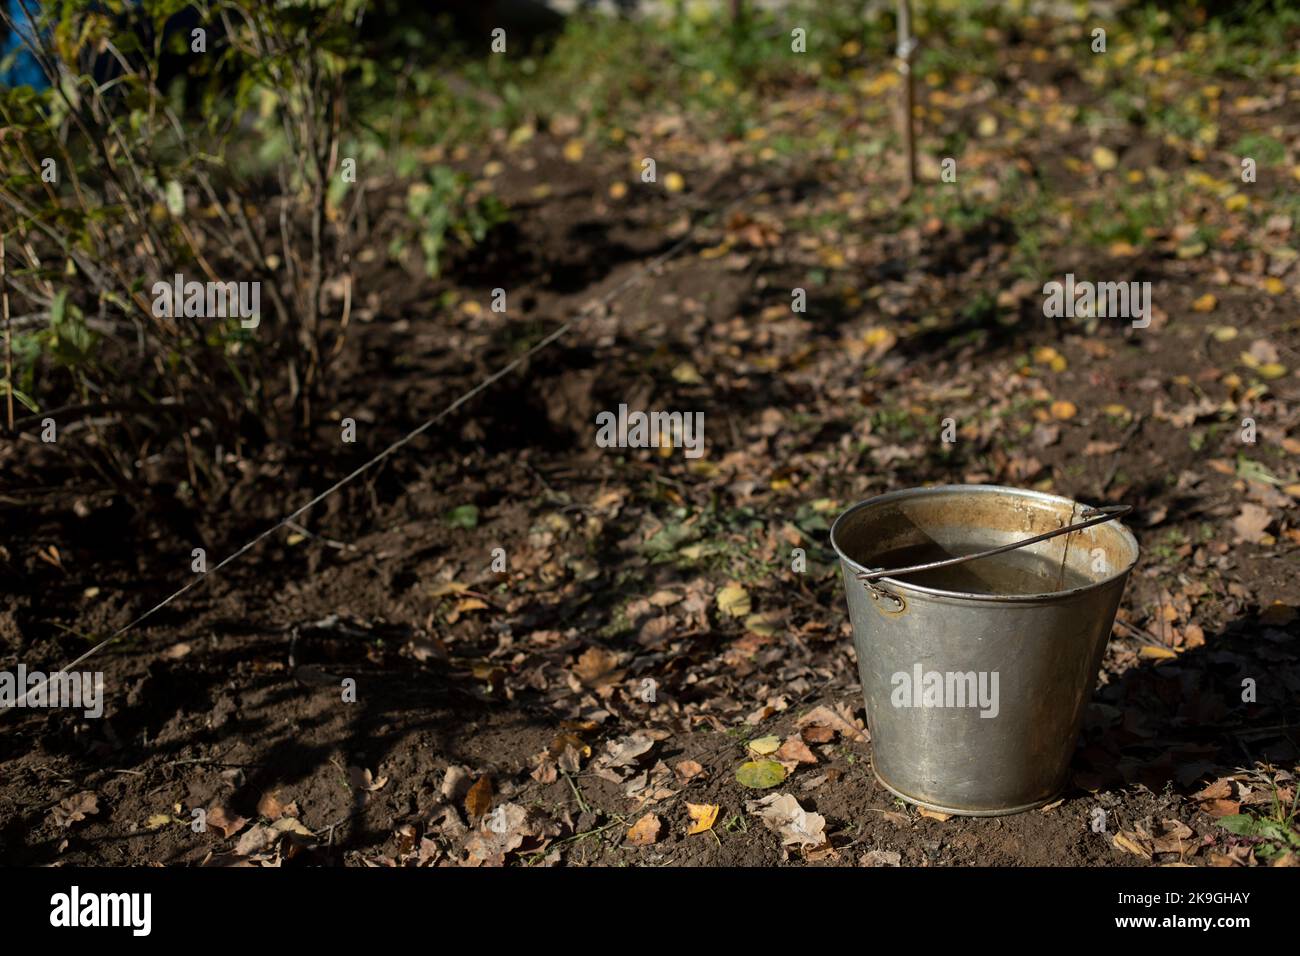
<point x="22" y="68"/>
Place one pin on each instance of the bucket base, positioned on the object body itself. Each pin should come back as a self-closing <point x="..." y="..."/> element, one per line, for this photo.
<point x="959" y="811"/>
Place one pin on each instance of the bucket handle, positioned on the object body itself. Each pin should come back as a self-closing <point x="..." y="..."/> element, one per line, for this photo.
<point x="1097" y="516"/>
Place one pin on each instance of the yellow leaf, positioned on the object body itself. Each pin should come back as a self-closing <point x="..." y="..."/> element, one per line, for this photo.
<point x="1205" y="303"/>
<point x="934" y="814"/>
<point x="765" y="745"/>
<point x="1064" y="410"/>
<point x="764" y="624"/>
<point x="1274" y="286"/>
<point x="573" y="150"/>
<point x="703" y="816"/>
<point x="760" y="774"/>
<point x="674" y="182"/>
<point x="522" y="135"/>
<point x="1271" y="370"/>
<point x="1224" y="333"/>
<point x="1237" y="203"/>
<point x="988" y="126"/>
<point x="687" y="374"/>
<point x="617" y="190"/>
<point x="1104" y="159"/>
<point x="158" y="821"/>
<point x="1156" y="653"/>
<point x="733" y="600"/>
<point x="443" y="588"/>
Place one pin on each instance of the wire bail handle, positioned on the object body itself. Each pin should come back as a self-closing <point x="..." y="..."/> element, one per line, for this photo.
<point x="868" y="578"/>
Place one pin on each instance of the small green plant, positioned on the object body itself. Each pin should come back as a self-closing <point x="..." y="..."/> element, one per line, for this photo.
<point x="445" y="212"/>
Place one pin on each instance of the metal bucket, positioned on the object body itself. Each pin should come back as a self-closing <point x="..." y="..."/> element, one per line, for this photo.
<point x="975" y="695"/>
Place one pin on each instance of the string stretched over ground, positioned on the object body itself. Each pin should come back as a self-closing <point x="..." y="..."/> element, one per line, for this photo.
<point x="604" y="300"/>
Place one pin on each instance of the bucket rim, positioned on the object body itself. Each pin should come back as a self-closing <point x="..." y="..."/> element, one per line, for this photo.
<point x="926" y="491"/>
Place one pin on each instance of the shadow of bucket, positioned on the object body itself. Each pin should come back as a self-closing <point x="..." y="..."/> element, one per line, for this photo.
<point x="976" y="677"/>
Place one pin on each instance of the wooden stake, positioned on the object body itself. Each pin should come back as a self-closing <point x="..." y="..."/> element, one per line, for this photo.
<point x="906" y="47"/>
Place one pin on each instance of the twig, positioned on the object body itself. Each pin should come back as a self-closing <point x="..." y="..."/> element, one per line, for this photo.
<point x="9" y="345"/>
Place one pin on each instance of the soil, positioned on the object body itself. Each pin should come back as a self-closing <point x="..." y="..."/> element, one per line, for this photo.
<point x="228" y="700"/>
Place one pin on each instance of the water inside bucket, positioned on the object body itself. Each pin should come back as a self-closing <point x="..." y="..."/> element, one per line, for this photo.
<point x="1014" y="573"/>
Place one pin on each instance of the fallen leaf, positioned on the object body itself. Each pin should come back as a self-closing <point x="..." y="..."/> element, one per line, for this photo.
<point x="796" y="826"/>
<point x="765" y="745"/>
<point x="224" y="822"/>
<point x="817" y="733"/>
<point x="76" y="808"/>
<point x="826" y="717"/>
<point x="626" y="750"/>
<point x="1104" y="158"/>
<point x="1250" y="526"/>
<point x="934" y="814"/>
<point x="796" y="750"/>
<point x="645" y="831"/>
<point x="733" y="600"/>
<point x="881" y="858"/>
<point x="1133" y="844"/>
<point x="596" y="667"/>
<point x="687" y="770"/>
<point x="760" y="774"/>
<point x="479" y="798"/>
<point x="364" y="780"/>
<point x="703" y="816"/>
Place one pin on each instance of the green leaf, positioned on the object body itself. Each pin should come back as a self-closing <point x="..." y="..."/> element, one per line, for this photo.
<point x="175" y="196"/>
<point x="464" y="516"/>
<point x="1239" y="824"/>
<point x="760" y="774"/>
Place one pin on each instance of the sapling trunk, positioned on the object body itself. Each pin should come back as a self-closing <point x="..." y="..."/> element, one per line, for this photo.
<point x="906" y="48"/>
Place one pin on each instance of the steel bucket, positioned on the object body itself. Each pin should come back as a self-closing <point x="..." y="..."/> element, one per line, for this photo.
<point x="994" y="732"/>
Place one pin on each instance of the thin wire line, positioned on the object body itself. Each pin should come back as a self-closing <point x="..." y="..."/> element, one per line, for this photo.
<point x="496" y="376"/>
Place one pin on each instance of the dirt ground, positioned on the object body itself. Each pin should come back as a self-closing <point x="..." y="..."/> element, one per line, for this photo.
<point x="502" y="717"/>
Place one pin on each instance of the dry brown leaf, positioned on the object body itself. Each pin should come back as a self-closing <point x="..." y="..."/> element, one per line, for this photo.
<point x="817" y="733"/>
<point x="224" y="822"/>
<point x="75" y="808"/>
<point x="795" y="750"/>
<point x="597" y="666"/>
<point x="1221" y="808"/>
<point x="826" y="717"/>
<point x="881" y="858"/>
<point x="1132" y="843"/>
<point x="1250" y="526"/>
<point x="645" y="831"/>
<point x="479" y="798"/>
<point x="687" y="770"/>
